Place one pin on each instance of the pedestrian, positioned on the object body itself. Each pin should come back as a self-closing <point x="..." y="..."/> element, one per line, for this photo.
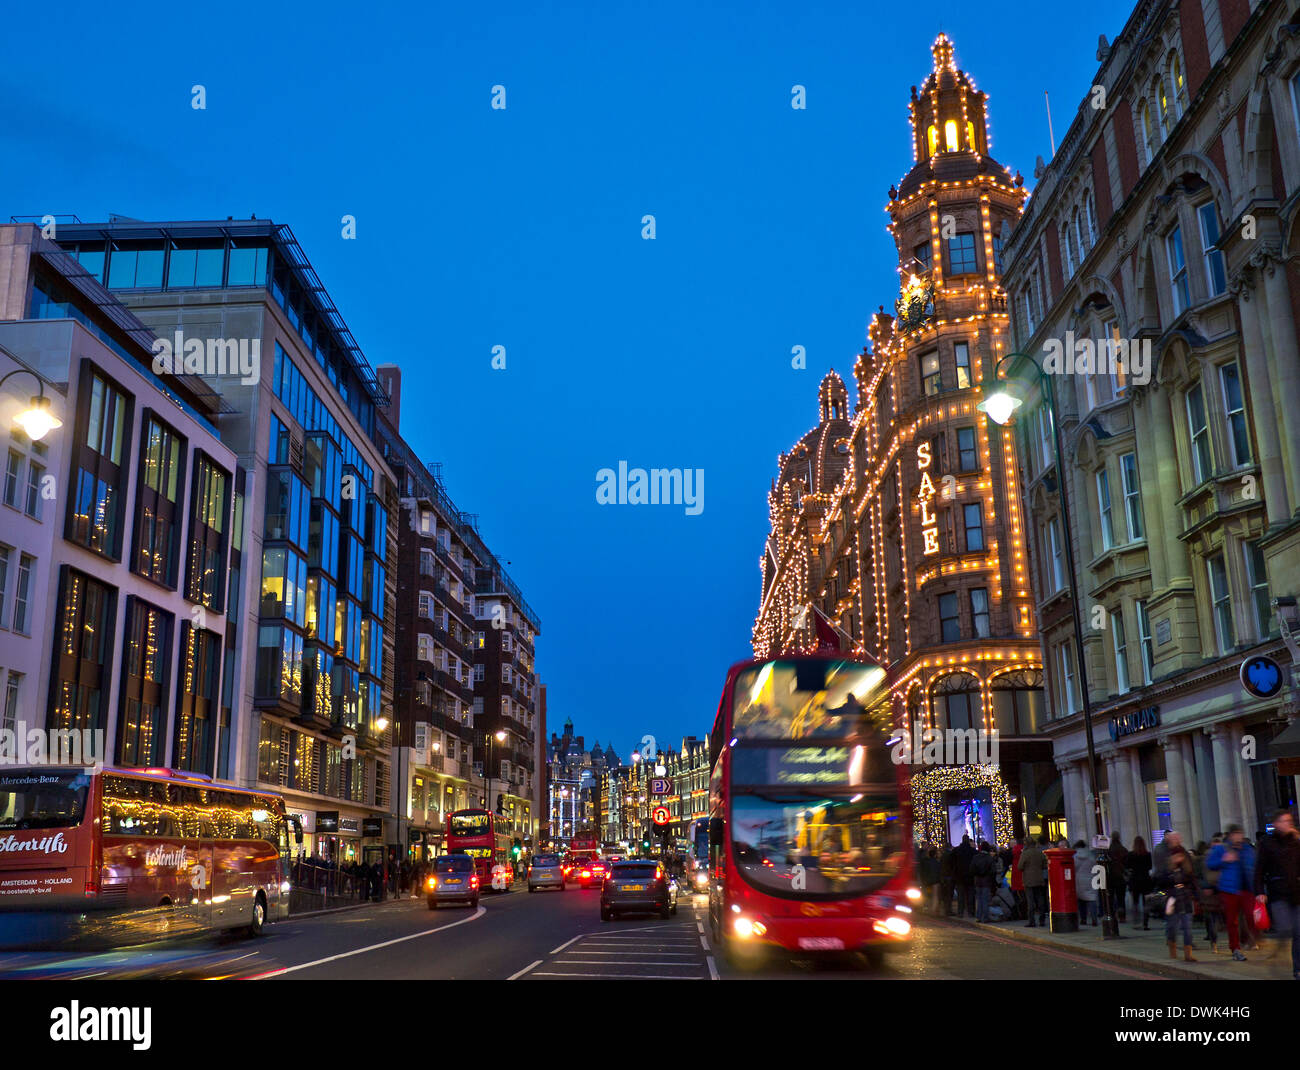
<point x="983" y="872"/>
<point x="962" y="856"/>
<point x="1139" y="880"/>
<point x="1018" y="878"/>
<point x="1083" y="889"/>
<point x="1118" y="885"/>
<point x="1160" y="856"/>
<point x="1231" y="868"/>
<point x="929" y="871"/>
<point x="1032" y="866"/>
<point x="1207" y="896"/>
<point x="1179" y="880"/>
<point x="1277" y="877"/>
<point x="947" y="879"/>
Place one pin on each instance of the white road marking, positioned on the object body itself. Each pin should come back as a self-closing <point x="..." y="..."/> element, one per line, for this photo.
<point x="516" y="976"/>
<point x="567" y="943"/>
<point x="713" y="969"/>
<point x="679" y="954"/>
<point x="373" y="947"/>
<point x="632" y="976"/>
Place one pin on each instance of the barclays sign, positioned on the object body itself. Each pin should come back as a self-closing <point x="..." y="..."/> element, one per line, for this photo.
<point x="1138" y="721"/>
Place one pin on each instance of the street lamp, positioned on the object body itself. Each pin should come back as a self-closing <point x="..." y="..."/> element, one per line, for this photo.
<point x="999" y="406"/>
<point x="36" y="420"/>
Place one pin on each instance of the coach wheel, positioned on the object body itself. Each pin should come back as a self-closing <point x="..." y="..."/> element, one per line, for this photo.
<point x="259" y="915"/>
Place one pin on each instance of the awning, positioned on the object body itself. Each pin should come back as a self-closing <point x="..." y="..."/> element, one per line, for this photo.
<point x="1287" y="744"/>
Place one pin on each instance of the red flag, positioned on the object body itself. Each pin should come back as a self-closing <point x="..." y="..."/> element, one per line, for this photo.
<point x="828" y="637"/>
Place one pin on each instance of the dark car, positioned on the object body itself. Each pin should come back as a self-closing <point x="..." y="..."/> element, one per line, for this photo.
<point x="638" y="886"/>
<point x="586" y="874"/>
<point x="453" y="880"/>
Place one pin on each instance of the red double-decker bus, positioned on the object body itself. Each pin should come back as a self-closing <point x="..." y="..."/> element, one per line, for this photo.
<point x="809" y="833"/>
<point x="474" y="833"/>
<point x="120" y="855"/>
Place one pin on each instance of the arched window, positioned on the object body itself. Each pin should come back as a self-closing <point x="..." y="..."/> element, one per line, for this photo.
<point x="1067" y="252"/>
<point x="1017" y="700"/>
<point x="950" y="135"/>
<point x="932" y="136"/>
<point x="970" y="136"/>
<point x="957" y="702"/>
<point x="1160" y="91"/>
<point x="1149" y="132"/>
<point x="1079" y="235"/>
<point x="1179" y="83"/>
<point x="1092" y="219"/>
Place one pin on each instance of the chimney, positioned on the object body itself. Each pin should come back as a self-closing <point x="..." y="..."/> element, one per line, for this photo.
<point x="390" y="378"/>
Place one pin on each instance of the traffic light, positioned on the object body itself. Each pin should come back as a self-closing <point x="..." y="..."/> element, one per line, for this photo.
<point x="645" y="844"/>
<point x="518" y="848"/>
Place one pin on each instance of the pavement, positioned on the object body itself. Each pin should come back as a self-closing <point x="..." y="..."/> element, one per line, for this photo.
<point x="1147" y="949"/>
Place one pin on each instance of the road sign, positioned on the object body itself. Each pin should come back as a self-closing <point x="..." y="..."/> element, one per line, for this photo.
<point x="660" y="785"/>
<point x="660" y="815"/>
<point x="1261" y="676"/>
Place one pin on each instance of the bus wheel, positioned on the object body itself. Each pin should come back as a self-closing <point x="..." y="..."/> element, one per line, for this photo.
<point x="258" y="923"/>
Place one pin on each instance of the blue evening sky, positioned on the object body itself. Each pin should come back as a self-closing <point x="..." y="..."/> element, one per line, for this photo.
<point x="522" y="228"/>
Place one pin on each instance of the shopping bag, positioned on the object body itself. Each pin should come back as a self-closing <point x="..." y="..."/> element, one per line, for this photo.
<point x="1261" y="915"/>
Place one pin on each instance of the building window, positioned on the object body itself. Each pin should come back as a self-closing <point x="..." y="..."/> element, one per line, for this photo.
<point x="23" y="593"/>
<point x="142" y="710"/>
<point x="12" y="688"/>
<point x="480" y="673"/>
<point x="83" y="650"/>
<point x="198" y="674"/>
<point x="209" y="504"/>
<point x="1220" y="602"/>
<point x="1027" y="306"/>
<point x="1178" y="270"/>
<point x="5" y="551"/>
<point x="101" y="445"/>
<point x="1091" y="218"/>
<point x="967" y="458"/>
<point x="1069" y="692"/>
<point x="1199" y="432"/>
<point x="979" y="612"/>
<point x="1067" y="253"/>
<point x="961" y="254"/>
<point x="1132" y="499"/>
<point x="35" y="473"/>
<point x="997" y="255"/>
<point x="922" y="255"/>
<point x="1147" y="646"/>
<point x="1215" y="272"/>
<point x="949" y="621"/>
<point x="1103" y="504"/>
<point x="973" y="522"/>
<point x="1149" y="132"/>
<point x="962" y="710"/>
<point x="1055" y="554"/>
<point x="1257" y="578"/>
<point x="931" y="383"/>
<point x="1234" y="408"/>
<point x="961" y="355"/>
<point x="13" y="469"/>
<point x="160" y="488"/>
<point x="1121" y="650"/>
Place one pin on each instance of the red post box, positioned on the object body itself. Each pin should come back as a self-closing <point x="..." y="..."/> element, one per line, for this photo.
<point x="1061" y="895"/>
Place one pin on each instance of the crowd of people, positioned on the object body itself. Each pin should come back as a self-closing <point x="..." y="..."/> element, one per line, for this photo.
<point x="1225" y="885"/>
<point x="377" y="880"/>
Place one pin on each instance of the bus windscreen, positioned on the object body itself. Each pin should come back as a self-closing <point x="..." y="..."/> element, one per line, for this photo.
<point x="42" y="800"/>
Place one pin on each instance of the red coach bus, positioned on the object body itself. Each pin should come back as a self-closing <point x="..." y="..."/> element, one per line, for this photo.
<point x="129" y="854"/>
<point x="474" y="833"/>
<point x="810" y="820"/>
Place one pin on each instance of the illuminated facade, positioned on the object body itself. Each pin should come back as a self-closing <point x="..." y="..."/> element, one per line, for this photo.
<point x="1167" y="219"/>
<point x="902" y="522"/>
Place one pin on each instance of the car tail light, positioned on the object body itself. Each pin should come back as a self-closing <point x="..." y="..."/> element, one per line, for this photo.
<point x="473" y="882"/>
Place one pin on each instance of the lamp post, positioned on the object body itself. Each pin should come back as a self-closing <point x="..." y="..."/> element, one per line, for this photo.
<point x="999" y="407"/>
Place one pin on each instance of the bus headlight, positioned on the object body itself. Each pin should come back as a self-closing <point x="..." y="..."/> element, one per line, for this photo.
<point x="744" y="928"/>
<point x="898" y="926"/>
<point x="914" y="894"/>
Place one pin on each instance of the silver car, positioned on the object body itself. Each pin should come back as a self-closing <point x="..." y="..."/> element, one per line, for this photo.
<point x="453" y="880"/>
<point x="546" y="871"/>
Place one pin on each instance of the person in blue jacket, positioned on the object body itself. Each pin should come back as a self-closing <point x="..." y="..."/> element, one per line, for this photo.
<point x="1234" y="863"/>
